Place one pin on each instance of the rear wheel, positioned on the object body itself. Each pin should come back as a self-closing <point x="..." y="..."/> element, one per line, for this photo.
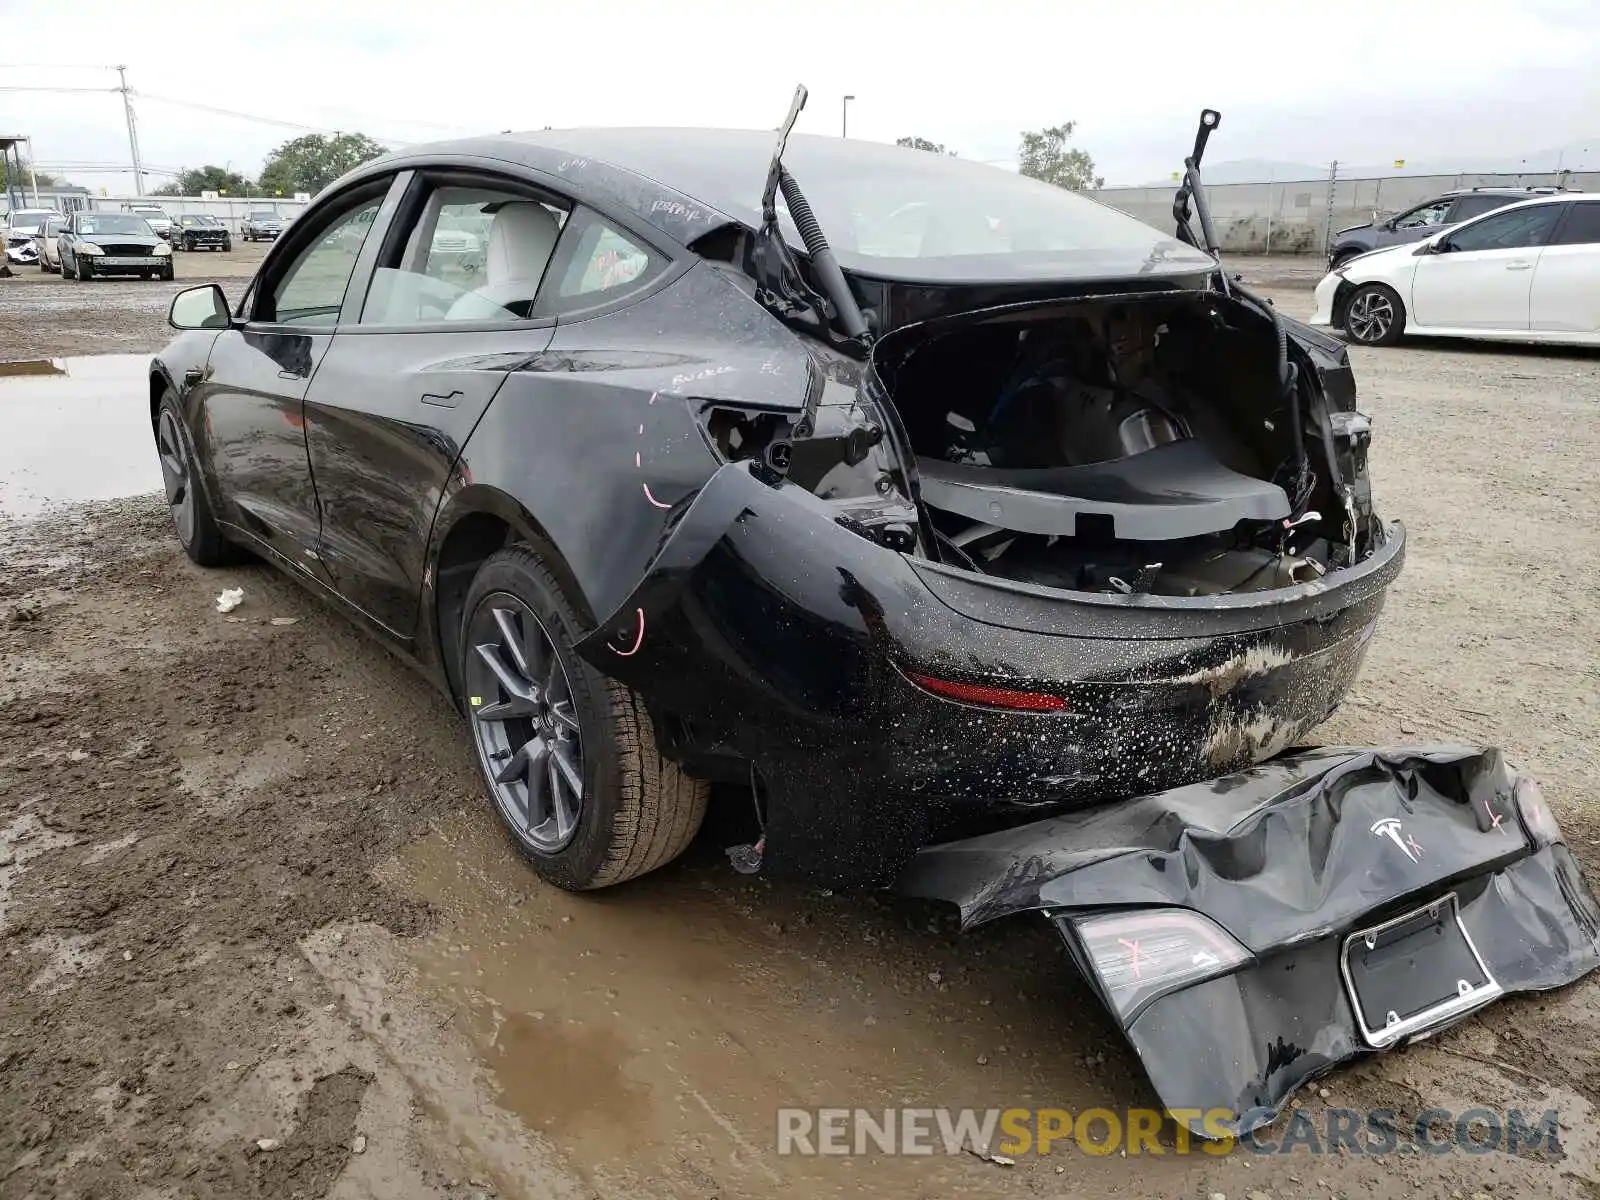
<point x="568" y="756"/>
<point x="192" y="518"/>
<point x="1374" y="315"/>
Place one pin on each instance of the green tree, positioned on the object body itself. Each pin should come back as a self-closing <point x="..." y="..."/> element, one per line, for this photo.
<point x="312" y="162"/>
<point x="919" y="143"/>
<point x="209" y="178"/>
<point x="1044" y="155"/>
<point x="42" y="178"/>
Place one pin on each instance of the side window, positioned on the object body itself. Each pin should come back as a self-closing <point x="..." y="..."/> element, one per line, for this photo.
<point x="473" y="254"/>
<point x="1508" y="230"/>
<point x="1468" y="207"/>
<point x="1421" y="218"/>
<point x="1582" y="227"/>
<point x="312" y="289"/>
<point x="597" y="264"/>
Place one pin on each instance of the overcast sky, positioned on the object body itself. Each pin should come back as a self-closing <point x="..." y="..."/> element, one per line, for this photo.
<point x="1363" y="84"/>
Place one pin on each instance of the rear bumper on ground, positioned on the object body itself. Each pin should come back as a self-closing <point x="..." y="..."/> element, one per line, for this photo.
<point x="778" y="633"/>
<point x="1290" y="861"/>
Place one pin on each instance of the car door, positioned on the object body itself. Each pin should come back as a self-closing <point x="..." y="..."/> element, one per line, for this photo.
<point x="448" y="314"/>
<point x="251" y="424"/>
<point x="1566" y="281"/>
<point x="1481" y="275"/>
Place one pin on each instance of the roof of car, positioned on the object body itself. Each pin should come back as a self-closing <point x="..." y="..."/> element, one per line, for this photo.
<point x="1529" y="192"/>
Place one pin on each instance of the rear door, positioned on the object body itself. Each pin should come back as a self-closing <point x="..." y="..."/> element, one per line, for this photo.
<point x="448" y="315"/>
<point x="1566" y="282"/>
<point x="250" y="427"/>
<point x="1481" y="276"/>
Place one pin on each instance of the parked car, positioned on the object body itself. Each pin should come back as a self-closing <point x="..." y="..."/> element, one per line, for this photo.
<point x="94" y="244"/>
<point x="155" y="216"/>
<point x="1529" y="272"/>
<point x="49" y="248"/>
<point x="262" y="225"/>
<point x="1426" y="218"/>
<point x="873" y="582"/>
<point x="198" y="231"/>
<point x="22" y="229"/>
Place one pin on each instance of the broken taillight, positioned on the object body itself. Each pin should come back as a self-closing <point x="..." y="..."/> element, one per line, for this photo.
<point x="987" y="696"/>
<point x="1535" y="811"/>
<point x="1140" y="956"/>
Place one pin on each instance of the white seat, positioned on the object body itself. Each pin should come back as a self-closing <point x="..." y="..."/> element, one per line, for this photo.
<point x="521" y="239"/>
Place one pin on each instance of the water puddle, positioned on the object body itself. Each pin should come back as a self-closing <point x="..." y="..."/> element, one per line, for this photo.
<point x="79" y="431"/>
<point x="653" y="1032"/>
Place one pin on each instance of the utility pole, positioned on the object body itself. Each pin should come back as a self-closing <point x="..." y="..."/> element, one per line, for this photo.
<point x="844" y="117"/>
<point x="133" y="133"/>
<point x="1333" y="183"/>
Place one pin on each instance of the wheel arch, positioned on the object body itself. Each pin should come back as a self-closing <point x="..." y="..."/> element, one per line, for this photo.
<point x="472" y="524"/>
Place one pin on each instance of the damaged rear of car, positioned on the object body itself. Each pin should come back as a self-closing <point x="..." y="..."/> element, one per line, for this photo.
<point x="1059" y="518"/>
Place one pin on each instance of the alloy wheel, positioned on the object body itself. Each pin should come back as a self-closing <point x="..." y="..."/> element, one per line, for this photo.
<point x="1370" y="317"/>
<point x="524" y="722"/>
<point x="175" y="475"/>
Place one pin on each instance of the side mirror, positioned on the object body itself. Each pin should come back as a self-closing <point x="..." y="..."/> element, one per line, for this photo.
<point x="199" y="308"/>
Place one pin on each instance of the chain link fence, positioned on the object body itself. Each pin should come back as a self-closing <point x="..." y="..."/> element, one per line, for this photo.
<point x="1300" y="216"/>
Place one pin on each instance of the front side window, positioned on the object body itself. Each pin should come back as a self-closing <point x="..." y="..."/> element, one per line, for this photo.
<point x="473" y="254"/>
<point x="1422" y="218"/>
<point x="312" y="290"/>
<point x="1582" y="227"/>
<point x="1512" y="230"/>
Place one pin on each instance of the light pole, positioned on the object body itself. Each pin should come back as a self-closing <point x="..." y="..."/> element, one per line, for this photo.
<point x="844" y="117"/>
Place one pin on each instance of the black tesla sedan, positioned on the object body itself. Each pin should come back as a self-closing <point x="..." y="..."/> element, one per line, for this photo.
<point x="911" y="495"/>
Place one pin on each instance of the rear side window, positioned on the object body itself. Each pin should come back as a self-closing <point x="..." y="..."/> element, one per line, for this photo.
<point x="1468" y="207"/>
<point x="1582" y="226"/>
<point x="1513" y="230"/>
<point x="1425" y="217"/>
<point x="596" y="264"/>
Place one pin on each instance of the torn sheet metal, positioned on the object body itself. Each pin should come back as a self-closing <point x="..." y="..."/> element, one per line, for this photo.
<point x="1252" y="932"/>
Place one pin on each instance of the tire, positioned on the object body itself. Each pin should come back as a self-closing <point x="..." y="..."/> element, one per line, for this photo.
<point x="66" y="274"/>
<point x="84" y="271"/>
<point x="1374" y="316"/>
<point x="169" y="274"/>
<point x="537" y="703"/>
<point x="1341" y="258"/>
<point x="192" y="518"/>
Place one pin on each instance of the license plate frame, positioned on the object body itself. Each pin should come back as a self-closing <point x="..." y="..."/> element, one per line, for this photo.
<point x="1385" y="964"/>
<point x="131" y="260"/>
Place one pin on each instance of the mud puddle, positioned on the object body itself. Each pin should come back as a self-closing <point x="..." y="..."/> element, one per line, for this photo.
<point x="79" y="434"/>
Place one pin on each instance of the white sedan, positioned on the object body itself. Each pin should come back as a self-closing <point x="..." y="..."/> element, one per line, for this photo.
<point x="1529" y="272"/>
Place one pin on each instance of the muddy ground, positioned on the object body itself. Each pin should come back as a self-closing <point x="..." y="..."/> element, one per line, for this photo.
<point x="260" y="935"/>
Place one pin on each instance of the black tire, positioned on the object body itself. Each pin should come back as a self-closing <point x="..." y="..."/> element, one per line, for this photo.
<point x="169" y="274"/>
<point x="1341" y="258"/>
<point x="635" y="810"/>
<point x="192" y="518"/>
<point x="85" y="271"/>
<point x="66" y="274"/>
<point x="1373" y="315"/>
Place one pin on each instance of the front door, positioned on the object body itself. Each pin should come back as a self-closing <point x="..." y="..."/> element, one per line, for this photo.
<point x="1480" y="276"/>
<point x="251" y="422"/>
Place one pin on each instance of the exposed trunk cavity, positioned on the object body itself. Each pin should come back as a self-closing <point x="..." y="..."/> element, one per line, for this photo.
<point x="1137" y="443"/>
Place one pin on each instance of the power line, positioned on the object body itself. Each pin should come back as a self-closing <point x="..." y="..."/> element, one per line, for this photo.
<point x="12" y="88"/>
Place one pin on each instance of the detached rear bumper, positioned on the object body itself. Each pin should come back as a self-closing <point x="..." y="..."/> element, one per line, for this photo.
<point x="776" y="632"/>
<point x="1293" y="862"/>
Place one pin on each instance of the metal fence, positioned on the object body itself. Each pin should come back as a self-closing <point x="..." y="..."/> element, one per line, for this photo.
<point x="1298" y="216"/>
<point x="230" y="211"/>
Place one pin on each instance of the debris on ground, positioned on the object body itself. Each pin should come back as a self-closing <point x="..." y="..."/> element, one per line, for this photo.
<point x="230" y="599"/>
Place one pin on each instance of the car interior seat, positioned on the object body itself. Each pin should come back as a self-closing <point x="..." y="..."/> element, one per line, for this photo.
<point x="522" y="237"/>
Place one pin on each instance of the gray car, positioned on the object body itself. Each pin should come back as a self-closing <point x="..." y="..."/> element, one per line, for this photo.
<point x="1416" y="223"/>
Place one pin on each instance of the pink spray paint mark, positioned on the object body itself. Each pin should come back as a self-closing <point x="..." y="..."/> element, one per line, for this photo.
<point x="637" y="642"/>
<point x="1133" y="948"/>
<point x="652" y="499"/>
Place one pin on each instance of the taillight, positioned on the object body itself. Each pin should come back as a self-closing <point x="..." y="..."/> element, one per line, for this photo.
<point x="987" y="696"/>
<point x="1142" y="955"/>
<point x="1537" y="818"/>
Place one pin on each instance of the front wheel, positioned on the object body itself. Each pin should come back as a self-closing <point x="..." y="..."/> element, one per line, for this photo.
<point x="85" y="272"/>
<point x="568" y="755"/>
<point x="1374" y="315"/>
<point x="192" y="518"/>
<point x="169" y="274"/>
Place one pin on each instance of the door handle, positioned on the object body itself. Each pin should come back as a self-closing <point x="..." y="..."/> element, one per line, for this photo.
<point x="441" y="400"/>
<point x="1520" y="264"/>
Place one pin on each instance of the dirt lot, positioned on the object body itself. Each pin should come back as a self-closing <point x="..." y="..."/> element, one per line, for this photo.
<point x="259" y="934"/>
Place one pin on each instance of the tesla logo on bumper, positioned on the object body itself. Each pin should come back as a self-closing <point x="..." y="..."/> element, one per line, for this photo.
<point x="1389" y="827"/>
